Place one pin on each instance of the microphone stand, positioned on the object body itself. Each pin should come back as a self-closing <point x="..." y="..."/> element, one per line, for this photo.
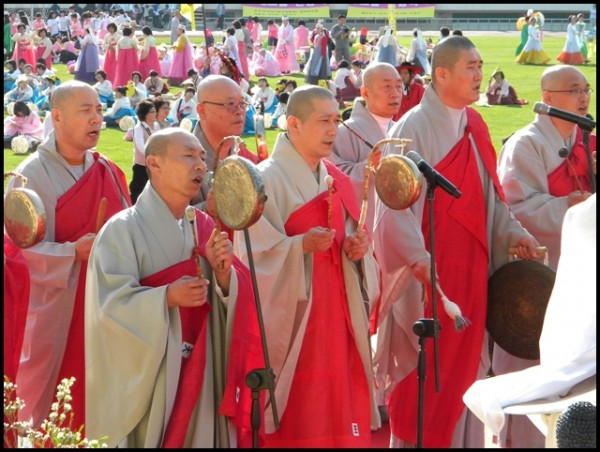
<point x="258" y="379"/>
<point x="425" y="328"/>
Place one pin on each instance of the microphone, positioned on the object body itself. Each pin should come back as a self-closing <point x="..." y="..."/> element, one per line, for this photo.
<point x="432" y="175"/>
<point x="582" y="121"/>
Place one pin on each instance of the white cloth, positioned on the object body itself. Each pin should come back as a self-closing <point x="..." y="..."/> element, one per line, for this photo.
<point x="568" y="340"/>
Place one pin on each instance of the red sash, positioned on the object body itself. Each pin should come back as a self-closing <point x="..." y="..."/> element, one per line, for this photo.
<point x="563" y="180"/>
<point x="461" y="261"/>
<point x="16" y="302"/>
<point x="329" y="396"/>
<point x="76" y="212"/>
<point x="193" y="332"/>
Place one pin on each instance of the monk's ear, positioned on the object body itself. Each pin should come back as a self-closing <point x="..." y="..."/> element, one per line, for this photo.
<point x="153" y="163"/>
<point x="441" y="74"/>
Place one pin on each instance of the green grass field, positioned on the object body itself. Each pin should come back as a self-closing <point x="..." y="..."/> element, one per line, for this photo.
<point x="502" y="120"/>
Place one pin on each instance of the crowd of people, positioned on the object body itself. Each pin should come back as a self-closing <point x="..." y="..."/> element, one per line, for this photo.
<point x="143" y="294"/>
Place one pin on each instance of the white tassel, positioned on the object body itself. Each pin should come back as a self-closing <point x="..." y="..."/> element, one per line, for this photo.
<point x="452" y="309"/>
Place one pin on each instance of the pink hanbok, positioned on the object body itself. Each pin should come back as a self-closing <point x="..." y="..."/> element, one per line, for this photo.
<point x="29" y="126"/>
<point x="241" y="46"/>
<point x="44" y="50"/>
<point x="285" y="51"/>
<point x="127" y="60"/>
<point x="264" y="64"/>
<point x="182" y="60"/>
<point x="23" y="48"/>
<point x="149" y="58"/>
<point x="110" y="58"/>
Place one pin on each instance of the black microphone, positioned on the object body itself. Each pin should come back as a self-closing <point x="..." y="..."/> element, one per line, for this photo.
<point x="582" y="121"/>
<point x="432" y="175"/>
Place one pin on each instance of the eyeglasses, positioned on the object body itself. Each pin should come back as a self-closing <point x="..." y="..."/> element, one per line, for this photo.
<point x="230" y="106"/>
<point x="576" y="92"/>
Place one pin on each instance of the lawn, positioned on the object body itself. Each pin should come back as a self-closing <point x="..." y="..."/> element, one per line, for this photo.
<point x="502" y="120"/>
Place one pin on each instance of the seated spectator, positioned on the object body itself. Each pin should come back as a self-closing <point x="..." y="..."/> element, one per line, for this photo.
<point x="500" y="92"/>
<point x="50" y="82"/>
<point x="281" y="109"/>
<point x="263" y="92"/>
<point x="22" y="91"/>
<point x="264" y="64"/>
<point x="357" y="67"/>
<point x="24" y="122"/>
<point x="162" y="112"/>
<point x="184" y="107"/>
<point x="11" y="74"/>
<point x="193" y="79"/>
<point x="154" y="84"/>
<point x="139" y="89"/>
<point x="121" y="107"/>
<point x="104" y="88"/>
<point x="346" y="81"/>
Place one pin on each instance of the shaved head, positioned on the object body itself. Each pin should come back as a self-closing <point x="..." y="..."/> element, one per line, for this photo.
<point x="216" y="84"/>
<point x="301" y="100"/>
<point x="375" y="70"/>
<point x="446" y="53"/>
<point x="65" y="92"/>
<point x="556" y="76"/>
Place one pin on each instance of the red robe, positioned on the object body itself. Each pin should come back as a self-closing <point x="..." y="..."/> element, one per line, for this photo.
<point x="246" y="349"/>
<point x="563" y="180"/>
<point x="329" y="404"/>
<point x="76" y="212"/>
<point x="408" y="101"/>
<point x="460" y="248"/>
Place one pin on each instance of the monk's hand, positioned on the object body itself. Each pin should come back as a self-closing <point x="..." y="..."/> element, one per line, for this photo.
<point x="317" y="239"/>
<point x="421" y="270"/>
<point x="83" y="246"/>
<point x="219" y="252"/>
<point x="356" y="246"/>
<point x="187" y="291"/>
<point x="576" y="197"/>
<point x="527" y="248"/>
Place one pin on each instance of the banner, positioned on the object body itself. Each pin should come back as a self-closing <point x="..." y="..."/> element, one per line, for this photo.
<point x="381" y="10"/>
<point x="277" y="10"/>
<point x="187" y="10"/>
<point x="392" y="17"/>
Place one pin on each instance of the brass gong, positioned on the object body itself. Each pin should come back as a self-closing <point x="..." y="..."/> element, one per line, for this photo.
<point x="239" y="192"/>
<point x="24" y="215"/>
<point x="397" y="181"/>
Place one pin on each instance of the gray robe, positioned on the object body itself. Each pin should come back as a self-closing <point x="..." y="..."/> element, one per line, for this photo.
<point x="133" y="341"/>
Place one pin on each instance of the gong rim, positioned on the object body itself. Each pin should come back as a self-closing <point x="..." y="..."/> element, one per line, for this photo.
<point x="518" y="295"/>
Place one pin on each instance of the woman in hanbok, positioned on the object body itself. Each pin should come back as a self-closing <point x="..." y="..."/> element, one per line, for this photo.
<point x="110" y="48"/>
<point x="43" y="47"/>
<point x="418" y="52"/>
<point x="264" y="64"/>
<point x="154" y="84"/>
<point x="104" y="88"/>
<point x="265" y="94"/>
<point x="318" y="67"/>
<point x="533" y="53"/>
<point x="241" y="48"/>
<point x="23" y="122"/>
<point x="580" y="26"/>
<point x="23" y="46"/>
<point x="87" y="62"/>
<point x="75" y="27"/>
<point x="127" y="57"/>
<point x="571" y="53"/>
<point x="387" y="47"/>
<point x="301" y="41"/>
<point x="21" y="92"/>
<point x="182" y="58"/>
<point x="103" y="26"/>
<point x="149" y="55"/>
<point x="285" y="52"/>
<point x="165" y="57"/>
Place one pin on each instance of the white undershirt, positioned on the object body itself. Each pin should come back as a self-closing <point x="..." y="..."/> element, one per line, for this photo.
<point x="455" y="116"/>
<point x="383" y="123"/>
